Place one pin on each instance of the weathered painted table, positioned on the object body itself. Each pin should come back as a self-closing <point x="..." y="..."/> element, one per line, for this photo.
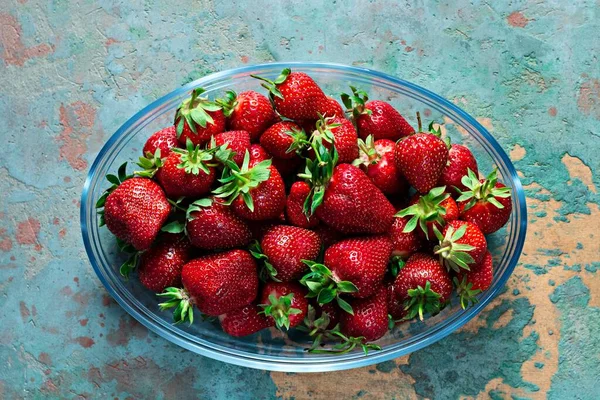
<point x="71" y="72"/>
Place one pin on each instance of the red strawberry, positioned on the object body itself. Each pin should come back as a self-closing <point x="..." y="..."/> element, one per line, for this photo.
<point x="434" y="209"/>
<point x="460" y="161"/>
<point x="370" y="318"/>
<point x="212" y="225"/>
<point x="165" y="140"/>
<point x="328" y="235"/>
<point x="404" y="244"/>
<point x="295" y="206"/>
<point x="187" y="173"/>
<point x="284" y="248"/>
<point x="395" y="307"/>
<point x="332" y="108"/>
<point x="255" y="190"/>
<point x="248" y="111"/>
<point x="244" y="321"/>
<point x="215" y="284"/>
<point x="198" y="119"/>
<point x="353" y="204"/>
<point x="258" y="154"/>
<point x="160" y="266"/>
<point x="487" y="203"/>
<point x="295" y="95"/>
<point x="421" y="158"/>
<point x="259" y="228"/>
<point x="283" y="140"/>
<point x="423" y="285"/>
<point x="284" y="304"/>
<point x="376" y="118"/>
<point x="236" y="141"/>
<point x="333" y="313"/>
<point x="377" y="160"/>
<point x="470" y="283"/>
<point x="134" y="209"/>
<point x="462" y="245"/>
<point x="339" y="132"/>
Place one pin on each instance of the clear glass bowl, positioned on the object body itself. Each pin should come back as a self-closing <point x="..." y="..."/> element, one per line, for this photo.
<point x="270" y="350"/>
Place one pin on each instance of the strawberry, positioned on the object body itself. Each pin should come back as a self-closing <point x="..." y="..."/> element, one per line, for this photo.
<point x="258" y="153"/>
<point x="294" y="208"/>
<point x="487" y="203"/>
<point x="165" y="140"/>
<point x="469" y="283"/>
<point x="404" y="244"/>
<point x="434" y="209"/>
<point x="198" y="119"/>
<point x="421" y="158"/>
<point x="284" y="304"/>
<point x="248" y="111"/>
<point x="255" y="190"/>
<point x="283" y="140"/>
<point x="332" y="311"/>
<point x="287" y="168"/>
<point x="215" y="284"/>
<point x="462" y="245"/>
<point x="160" y="266"/>
<point x="332" y="108"/>
<point x="212" y="225"/>
<point x="460" y="161"/>
<point x="327" y="234"/>
<point x="295" y="95"/>
<point x="236" y="141"/>
<point x="376" y="118"/>
<point x="186" y="173"/>
<point x="339" y="132"/>
<point x="395" y="307"/>
<point x="423" y="285"/>
<point x="376" y="158"/>
<point x="243" y="321"/>
<point x="283" y="249"/>
<point x="370" y="318"/>
<point x="134" y="209"/>
<point x="259" y="228"/>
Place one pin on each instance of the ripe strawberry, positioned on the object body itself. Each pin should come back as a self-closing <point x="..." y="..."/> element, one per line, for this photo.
<point x="134" y="209"/>
<point x="460" y="161"/>
<point x="327" y="234"/>
<point x="283" y="140"/>
<point x="377" y="160"/>
<point x="332" y="108"/>
<point x="339" y="132"/>
<point x="165" y="140"/>
<point x="434" y="209"/>
<point x="423" y="285"/>
<point x="236" y="141"/>
<point x="294" y="209"/>
<point x="461" y="245"/>
<point x="295" y="95"/>
<point x="469" y="283"/>
<point x="487" y="203"/>
<point x="186" y="173"/>
<point x="160" y="266"/>
<point x="283" y="249"/>
<point x="198" y="119"/>
<point x="212" y="225"/>
<point x="258" y="153"/>
<point x="284" y="304"/>
<point x="404" y="244"/>
<point x="376" y="118"/>
<point x="243" y="321"/>
<point x="332" y="311"/>
<point x="370" y="318"/>
<point x="248" y="111"/>
<point x="395" y="307"/>
<point x="255" y="190"/>
<point x="421" y="158"/>
<point x="215" y="284"/>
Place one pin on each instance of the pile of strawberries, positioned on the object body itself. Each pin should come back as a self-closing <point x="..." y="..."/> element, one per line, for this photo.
<point x="295" y="212"/>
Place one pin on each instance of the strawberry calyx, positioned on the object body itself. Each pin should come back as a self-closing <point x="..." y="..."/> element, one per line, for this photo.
<point x="271" y="85"/>
<point x="150" y="164"/>
<point x="195" y="111"/>
<point x="228" y="102"/>
<point x="323" y="131"/>
<point x="422" y="300"/>
<point x="368" y="155"/>
<point x="239" y="181"/>
<point x="427" y="209"/>
<point x="395" y="265"/>
<point x="194" y="159"/>
<point x="485" y="191"/>
<point x="355" y="102"/>
<point x="299" y="143"/>
<point x="318" y="173"/>
<point x="323" y="285"/>
<point x="452" y="254"/>
<point x="178" y="225"/>
<point x="280" y="308"/>
<point x="132" y="261"/>
<point x="466" y="293"/>
<point x="178" y="298"/>
<point x="267" y="271"/>
<point x="115" y="180"/>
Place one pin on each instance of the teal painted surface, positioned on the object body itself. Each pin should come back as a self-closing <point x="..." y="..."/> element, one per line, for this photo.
<point x="71" y="72"/>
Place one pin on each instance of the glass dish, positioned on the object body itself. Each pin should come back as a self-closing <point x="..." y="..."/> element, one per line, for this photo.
<point x="270" y="350"/>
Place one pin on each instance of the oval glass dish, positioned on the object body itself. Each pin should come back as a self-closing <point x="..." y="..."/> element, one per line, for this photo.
<point x="269" y="349"/>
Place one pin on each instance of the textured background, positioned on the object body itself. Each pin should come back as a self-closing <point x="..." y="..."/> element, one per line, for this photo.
<point x="72" y="71"/>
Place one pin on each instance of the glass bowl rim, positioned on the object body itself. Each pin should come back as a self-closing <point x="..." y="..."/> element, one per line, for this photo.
<point x="274" y="363"/>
